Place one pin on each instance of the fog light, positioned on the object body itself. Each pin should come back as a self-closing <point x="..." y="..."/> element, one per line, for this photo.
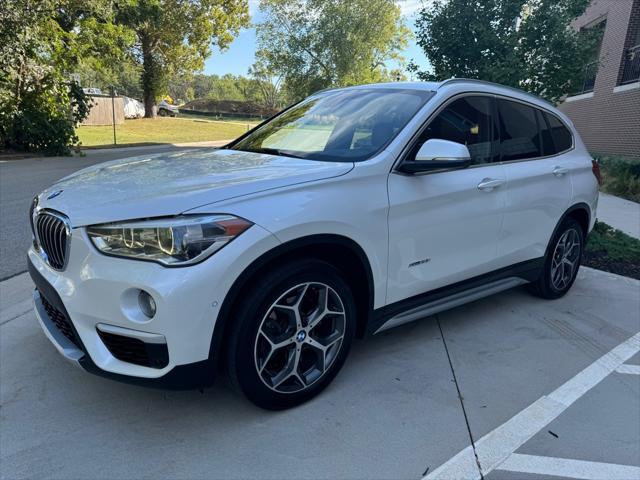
<point x="147" y="304"/>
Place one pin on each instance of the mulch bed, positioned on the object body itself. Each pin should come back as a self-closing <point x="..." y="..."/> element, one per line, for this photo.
<point x="601" y="261"/>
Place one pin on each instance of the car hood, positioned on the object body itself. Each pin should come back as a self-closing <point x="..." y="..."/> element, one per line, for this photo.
<point x="172" y="183"/>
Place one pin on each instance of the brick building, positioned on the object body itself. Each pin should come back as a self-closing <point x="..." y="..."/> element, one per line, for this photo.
<point x="606" y="111"/>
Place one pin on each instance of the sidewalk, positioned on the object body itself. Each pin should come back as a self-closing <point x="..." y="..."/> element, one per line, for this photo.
<point x="620" y="213"/>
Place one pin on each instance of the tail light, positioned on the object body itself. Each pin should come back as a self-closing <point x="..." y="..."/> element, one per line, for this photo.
<point x="595" y="168"/>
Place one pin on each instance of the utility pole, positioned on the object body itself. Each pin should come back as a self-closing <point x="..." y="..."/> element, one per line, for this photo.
<point x="113" y="112"/>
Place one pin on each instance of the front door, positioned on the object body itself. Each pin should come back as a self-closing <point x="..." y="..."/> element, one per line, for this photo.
<point x="444" y="226"/>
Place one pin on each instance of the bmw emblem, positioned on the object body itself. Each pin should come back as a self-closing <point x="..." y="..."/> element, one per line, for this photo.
<point x="54" y="194"/>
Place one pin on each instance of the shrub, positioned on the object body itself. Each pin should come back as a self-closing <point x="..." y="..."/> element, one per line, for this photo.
<point x="39" y="107"/>
<point x="620" y="176"/>
<point x="615" y="244"/>
<point x="613" y="251"/>
<point x="44" y="119"/>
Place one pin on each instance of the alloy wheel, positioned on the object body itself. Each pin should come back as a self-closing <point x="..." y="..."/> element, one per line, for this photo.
<point x="299" y="337"/>
<point x="565" y="259"/>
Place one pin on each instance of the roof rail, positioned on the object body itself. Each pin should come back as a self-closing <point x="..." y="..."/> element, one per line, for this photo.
<point x="492" y="84"/>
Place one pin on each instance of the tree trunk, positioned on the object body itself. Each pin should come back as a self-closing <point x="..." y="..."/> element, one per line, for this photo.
<point x="149" y="80"/>
<point x="150" y="110"/>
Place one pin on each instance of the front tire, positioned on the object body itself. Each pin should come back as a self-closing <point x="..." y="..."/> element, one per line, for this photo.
<point x="292" y="334"/>
<point x="562" y="261"/>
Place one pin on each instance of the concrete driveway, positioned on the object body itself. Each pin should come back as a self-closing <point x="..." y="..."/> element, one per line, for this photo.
<point x="507" y="387"/>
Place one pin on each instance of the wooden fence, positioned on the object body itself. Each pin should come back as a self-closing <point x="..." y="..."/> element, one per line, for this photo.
<point x="101" y="112"/>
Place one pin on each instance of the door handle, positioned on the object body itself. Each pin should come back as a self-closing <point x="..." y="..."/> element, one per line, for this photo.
<point x="488" y="184"/>
<point x="560" y="171"/>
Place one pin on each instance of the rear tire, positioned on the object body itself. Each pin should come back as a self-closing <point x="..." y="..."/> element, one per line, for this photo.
<point x="562" y="261"/>
<point x="291" y="335"/>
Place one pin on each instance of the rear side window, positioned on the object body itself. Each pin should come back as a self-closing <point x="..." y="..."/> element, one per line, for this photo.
<point x="468" y="121"/>
<point x="519" y="135"/>
<point x="548" y="147"/>
<point x="561" y="135"/>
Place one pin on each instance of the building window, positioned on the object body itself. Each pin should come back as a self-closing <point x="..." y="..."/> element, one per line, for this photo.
<point x="590" y="71"/>
<point x="589" y="75"/>
<point x="630" y="71"/>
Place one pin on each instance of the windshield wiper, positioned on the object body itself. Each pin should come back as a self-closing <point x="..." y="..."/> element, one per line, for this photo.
<point x="272" y="151"/>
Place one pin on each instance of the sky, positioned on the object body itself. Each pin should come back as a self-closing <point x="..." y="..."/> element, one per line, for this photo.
<point x="240" y="55"/>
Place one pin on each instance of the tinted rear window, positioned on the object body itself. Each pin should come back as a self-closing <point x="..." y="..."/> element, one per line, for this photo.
<point x="519" y="136"/>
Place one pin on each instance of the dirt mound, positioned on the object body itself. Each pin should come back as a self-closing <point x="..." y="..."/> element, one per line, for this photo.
<point x="228" y="107"/>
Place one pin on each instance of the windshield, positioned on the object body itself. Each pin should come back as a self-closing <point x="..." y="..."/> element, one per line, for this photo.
<point x="342" y="125"/>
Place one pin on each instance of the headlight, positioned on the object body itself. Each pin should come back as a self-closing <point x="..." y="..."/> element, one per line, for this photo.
<point x="173" y="241"/>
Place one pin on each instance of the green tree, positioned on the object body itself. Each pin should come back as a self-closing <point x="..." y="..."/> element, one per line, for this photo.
<point x="268" y="83"/>
<point x="40" y="104"/>
<point x="226" y="87"/>
<point x="315" y="44"/>
<point x="104" y="58"/>
<point x="202" y="85"/>
<point x="181" y="88"/>
<point x="259" y="87"/>
<point x="526" y="44"/>
<point x="100" y="72"/>
<point x="174" y="37"/>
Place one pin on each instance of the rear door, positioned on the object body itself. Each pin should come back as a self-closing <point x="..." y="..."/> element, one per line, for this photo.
<point x="444" y="226"/>
<point x="538" y="190"/>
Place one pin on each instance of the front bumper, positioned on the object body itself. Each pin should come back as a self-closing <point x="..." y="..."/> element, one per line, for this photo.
<point x="95" y="295"/>
<point x="182" y="377"/>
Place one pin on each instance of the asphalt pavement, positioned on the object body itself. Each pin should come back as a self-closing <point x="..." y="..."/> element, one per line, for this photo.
<point x="22" y="179"/>
<point x="508" y="387"/>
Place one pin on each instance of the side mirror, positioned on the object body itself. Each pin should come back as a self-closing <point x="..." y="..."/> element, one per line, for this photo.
<point x="436" y="154"/>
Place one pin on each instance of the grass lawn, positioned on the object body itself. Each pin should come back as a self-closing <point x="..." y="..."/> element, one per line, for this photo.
<point x="161" y="130"/>
<point x="613" y="251"/>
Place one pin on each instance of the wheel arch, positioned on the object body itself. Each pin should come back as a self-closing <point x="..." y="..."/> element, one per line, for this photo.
<point x="581" y="212"/>
<point x="340" y="251"/>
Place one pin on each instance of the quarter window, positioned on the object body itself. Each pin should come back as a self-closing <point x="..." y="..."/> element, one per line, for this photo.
<point x="561" y="135"/>
<point x="545" y="134"/>
<point x="468" y="121"/>
<point x="519" y="135"/>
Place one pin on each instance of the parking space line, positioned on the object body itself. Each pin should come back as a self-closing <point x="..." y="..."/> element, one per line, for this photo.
<point x="631" y="369"/>
<point x="496" y="446"/>
<point x="564" y="467"/>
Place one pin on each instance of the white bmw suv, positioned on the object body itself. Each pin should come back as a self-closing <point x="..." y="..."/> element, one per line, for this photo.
<point x="351" y="212"/>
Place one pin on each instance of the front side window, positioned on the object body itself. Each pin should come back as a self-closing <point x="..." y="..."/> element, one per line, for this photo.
<point x="468" y="121"/>
<point x="519" y="136"/>
<point x="342" y="125"/>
